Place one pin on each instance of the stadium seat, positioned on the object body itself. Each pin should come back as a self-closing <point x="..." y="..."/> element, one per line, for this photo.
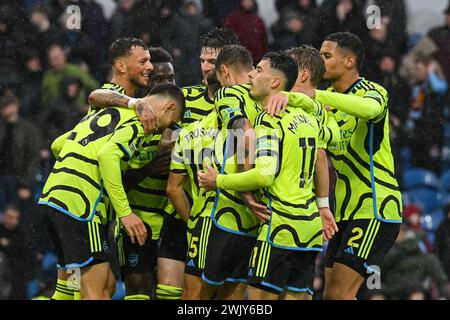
<point x="426" y="199"/>
<point x="445" y="181"/>
<point x="431" y="221"/>
<point x="420" y="178"/>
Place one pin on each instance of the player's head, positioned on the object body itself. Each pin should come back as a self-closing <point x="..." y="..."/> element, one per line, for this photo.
<point x="168" y="103"/>
<point x="276" y="71"/>
<point x="130" y="58"/>
<point x="210" y="46"/>
<point x="311" y="66"/>
<point x="213" y="83"/>
<point x="162" y="67"/>
<point x="233" y="64"/>
<point x="342" y="52"/>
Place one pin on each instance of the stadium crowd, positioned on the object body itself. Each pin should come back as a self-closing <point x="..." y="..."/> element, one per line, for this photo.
<point x="47" y="71"/>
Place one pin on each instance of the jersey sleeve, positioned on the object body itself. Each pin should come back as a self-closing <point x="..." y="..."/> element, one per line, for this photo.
<point x="58" y="143"/>
<point x="229" y="105"/>
<point x="300" y="100"/>
<point x="372" y="106"/>
<point x="266" y="162"/>
<point x="329" y="132"/>
<point x="123" y="144"/>
<point x="177" y="164"/>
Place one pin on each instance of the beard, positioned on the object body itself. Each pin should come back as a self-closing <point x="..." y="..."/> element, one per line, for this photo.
<point x="136" y="81"/>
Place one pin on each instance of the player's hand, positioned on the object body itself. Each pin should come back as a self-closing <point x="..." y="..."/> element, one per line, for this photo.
<point x="135" y="228"/>
<point x="147" y="116"/>
<point x="207" y="180"/>
<point x="277" y="104"/>
<point x="259" y="210"/>
<point x="329" y="227"/>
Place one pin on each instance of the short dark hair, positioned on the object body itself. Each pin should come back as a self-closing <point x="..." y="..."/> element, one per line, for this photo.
<point x="122" y="47"/>
<point x="350" y="42"/>
<point x="160" y="55"/>
<point x="234" y="55"/>
<point x="308" y="57"/>
<point x="172" y="91"/>
<point x="284" y="63"/>
<point x="218" y="38"/>
<point x="213" y="82"/>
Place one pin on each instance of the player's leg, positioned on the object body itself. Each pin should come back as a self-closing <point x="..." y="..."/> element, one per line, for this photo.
<point x="94" y="282"/>
<point x="344" y="283"/>
<point x="301" y="267"/>
<point x="226" y="262"/>
<point x="138" y="266"/>
<point x="365" y="242"/>
<point x="260" y="294"/>
<point x="332" y="251"/>
<point x="63" y="291"/>
<point x="171" y="259"/>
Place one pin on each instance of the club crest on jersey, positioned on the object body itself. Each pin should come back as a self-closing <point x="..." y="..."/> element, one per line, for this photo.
<point x="133" y="260"/>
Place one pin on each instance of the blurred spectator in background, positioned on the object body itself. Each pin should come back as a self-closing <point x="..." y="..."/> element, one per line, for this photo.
<point x="217" y="10"/>
<point x="249" y="27"/>
<point x="395" y="13"/>
<point x="14" y="244"/>
<point x="442" y="244"/>
<point x="30" y="90"/>
<point x="342" y="15"/>
<point x="441" y="37"/>
<point x="42" y="32"/>
<point x="121" y="20"/>
<point x="11" y="46"/>
<point x="302" y="30"/>
<point x="20" y="141"/>
<point x="426" y="115"/>
<point x="62" y="113"/>
<point x="180" y="36"/>
<point x="292" y="31"/>
<point x="5" y="281"/>
<point x="60" y="69"/>
<point x="408" y="268"/>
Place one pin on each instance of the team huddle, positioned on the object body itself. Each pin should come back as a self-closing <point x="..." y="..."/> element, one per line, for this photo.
<point x="221" y="190"/>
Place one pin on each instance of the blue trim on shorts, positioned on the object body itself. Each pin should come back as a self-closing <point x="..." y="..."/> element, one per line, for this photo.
<point x="213" y="283"/>
<point x="266" y="284"/>
<point x="236" y="280"/>
<point x="294" y="248"/>
<point x="369" y="269"/>
<point x="306" y="290"/>
<point x="75" y="265"/>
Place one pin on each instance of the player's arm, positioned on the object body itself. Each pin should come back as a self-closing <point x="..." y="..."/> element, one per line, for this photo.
<point x="59" y="142"/>
<point x="329" y="132"/>
<point x="177" y="178"/>
<point x="120" y="145"/>
<point x="105" y="98"/>
<point x="160" y="165"/>
<point x="280" y="101"/>
<point x="321" y="185"/>
<point x="175" y="192"/>
<point x="368" y="107"/>
<point x="261" y="176"/>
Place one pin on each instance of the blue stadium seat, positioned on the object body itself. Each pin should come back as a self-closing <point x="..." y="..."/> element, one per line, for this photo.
<point x="426" y="199"/>
<point x="420" y="178"/>
<point x="445" y="181"/>
<point x="431" y="221"/>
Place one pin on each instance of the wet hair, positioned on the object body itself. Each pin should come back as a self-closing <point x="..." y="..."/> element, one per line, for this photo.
<point x="349" y="42"/>
<point x="218" y="38"/>
<point x="308" y="57"/>
<point x="160" y="55"/>
<point x="122" y="47"/>
<point x="172" y="91"/>
<point x="284" y="63"/>
<point x="234" y="55"/>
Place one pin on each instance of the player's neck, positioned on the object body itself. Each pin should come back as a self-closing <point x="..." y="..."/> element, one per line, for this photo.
<point x="344" y="82"/>
<point x="130" y="89"/>
<point x="302" y="86"/>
